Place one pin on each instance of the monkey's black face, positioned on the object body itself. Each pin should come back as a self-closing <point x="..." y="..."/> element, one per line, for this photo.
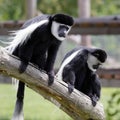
<point x="59" y="30"/>
<point x="93" y="62"/>
<point x="62" y="30"/>
<point x="96" y="58"/>
<point x="96" y="66"/>
<point x="61" y="25"/>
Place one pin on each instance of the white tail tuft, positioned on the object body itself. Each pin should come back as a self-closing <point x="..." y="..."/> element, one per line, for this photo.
<point x="18" y="112"/>
<point x="21" y="35"/>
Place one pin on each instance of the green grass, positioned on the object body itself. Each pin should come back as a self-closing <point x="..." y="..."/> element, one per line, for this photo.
<point x="35" y="106"/>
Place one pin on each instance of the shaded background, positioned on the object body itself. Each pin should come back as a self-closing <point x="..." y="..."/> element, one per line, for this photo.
<point x="36" y="108"/>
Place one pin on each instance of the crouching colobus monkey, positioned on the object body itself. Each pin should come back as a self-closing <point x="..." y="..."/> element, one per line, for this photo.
<point x="78" y="70"/>
<point x="37" y="42"/>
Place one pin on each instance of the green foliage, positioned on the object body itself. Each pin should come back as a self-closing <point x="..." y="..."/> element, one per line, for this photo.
<point x="58" y="6"/>
<point x="105" y="7"/>
<point x="15" y="9"/>
<point x="113" y="109"/>
<point x="110" y="97"/>
<point x="11" y="9"/>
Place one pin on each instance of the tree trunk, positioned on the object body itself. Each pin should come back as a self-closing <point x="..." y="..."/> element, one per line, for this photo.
<point x="77" y="105"/>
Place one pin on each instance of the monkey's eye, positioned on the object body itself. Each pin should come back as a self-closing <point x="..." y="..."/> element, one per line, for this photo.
<point x="64" y="27"/>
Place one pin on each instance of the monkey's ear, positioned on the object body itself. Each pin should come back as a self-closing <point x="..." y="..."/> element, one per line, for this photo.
<point x="51" y="18"/>
<point x="54" y="17"/>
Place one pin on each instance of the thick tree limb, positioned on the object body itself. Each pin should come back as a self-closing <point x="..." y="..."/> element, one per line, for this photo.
<point x="76" y="105"/>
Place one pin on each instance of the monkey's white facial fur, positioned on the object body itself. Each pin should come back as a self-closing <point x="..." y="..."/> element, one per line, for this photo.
<point x="59" y="30"/>
<point x="93" y="63"/>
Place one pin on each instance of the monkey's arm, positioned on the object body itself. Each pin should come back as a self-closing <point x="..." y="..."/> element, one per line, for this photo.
<point x="52" y="53"/>
<point x="96" y="86"/>
<point x="25" y="54"/>
<point x="96" y="89"/>
<point x="69" y="77"/>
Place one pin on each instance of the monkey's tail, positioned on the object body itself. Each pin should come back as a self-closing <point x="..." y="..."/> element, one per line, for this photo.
<point x="18" y="111"/>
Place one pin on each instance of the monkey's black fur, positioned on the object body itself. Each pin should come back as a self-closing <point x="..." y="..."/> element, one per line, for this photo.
<point x="39" y="46"/>
<point x="77" y="73"/>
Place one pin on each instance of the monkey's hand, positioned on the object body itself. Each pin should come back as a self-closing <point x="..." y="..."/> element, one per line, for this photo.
<point x="70" y="88"/>
<point x="23" y="67"/>
<point x="94" y="99"/>
<point x="50" y="78"/>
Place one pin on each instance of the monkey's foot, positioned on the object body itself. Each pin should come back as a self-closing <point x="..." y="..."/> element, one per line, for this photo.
<point x="50" y="79"/>
<point x="70" y="88"/>
<point x="22" y="67"/>
<point x="94" y="101"/>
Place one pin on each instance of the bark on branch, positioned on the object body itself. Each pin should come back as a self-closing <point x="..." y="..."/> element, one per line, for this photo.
<point x="76" y="105"/>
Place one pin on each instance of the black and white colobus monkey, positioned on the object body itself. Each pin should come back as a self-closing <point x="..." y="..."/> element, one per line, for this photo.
<point x="37" y="42"/>
<point x="78" y="70"/>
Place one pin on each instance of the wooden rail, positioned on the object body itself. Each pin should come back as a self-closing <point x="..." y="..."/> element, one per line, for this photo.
<point x="93" y="25"/>
<point x="109" y="74"/>
<point x="99" y="25"/>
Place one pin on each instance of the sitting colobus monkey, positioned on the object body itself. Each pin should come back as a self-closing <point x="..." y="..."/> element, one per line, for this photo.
<point x="37" y="42"/>
<point x="78" y="70"/>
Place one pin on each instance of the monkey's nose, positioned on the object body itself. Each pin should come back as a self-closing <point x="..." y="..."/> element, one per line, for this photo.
<point x="96" y="66"/>
<point x="62" y="34"/>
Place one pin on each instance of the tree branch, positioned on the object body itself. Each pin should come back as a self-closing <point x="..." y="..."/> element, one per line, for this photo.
<point x="76" y="105"/>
